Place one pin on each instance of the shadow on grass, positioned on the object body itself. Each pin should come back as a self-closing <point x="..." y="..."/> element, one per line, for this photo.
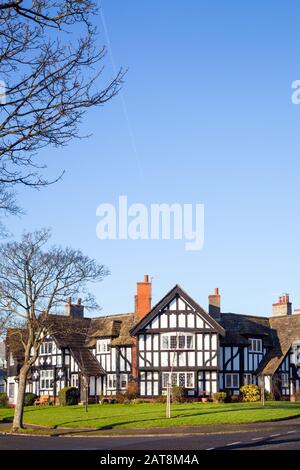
<point x="159" y="419"/>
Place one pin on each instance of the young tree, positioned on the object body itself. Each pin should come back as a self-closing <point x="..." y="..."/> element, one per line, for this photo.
<point x="35" y="279"/>
<point x="50" y="74"/>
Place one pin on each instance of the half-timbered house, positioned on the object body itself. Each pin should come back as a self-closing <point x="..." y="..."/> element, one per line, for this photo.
<point x="175" y="342"/>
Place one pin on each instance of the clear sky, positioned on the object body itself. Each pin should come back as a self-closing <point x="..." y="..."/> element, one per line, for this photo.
<point x="208" y="118"/>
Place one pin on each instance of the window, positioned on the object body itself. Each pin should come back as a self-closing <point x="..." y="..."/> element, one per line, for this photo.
<point x="232" y="380"/>
<point x="46" y="379"/>
<point x="177" y="341"/>
<point x="255" y="345"/>
<point x="123" y="381"/>
<point x="46" y="348"/>
<point x="11" y="391"/>
<point x="285" y="380"/>
<point x="103" y="346"/>
<point x="183" y="379"/>
<point x="248" y="379"/>
<point x="74" y="380"/>
<point x="111" y="381"/>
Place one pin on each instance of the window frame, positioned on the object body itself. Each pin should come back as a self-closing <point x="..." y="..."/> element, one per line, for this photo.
<point x="176" y="383"/>
<point x="167" y="338"/>
<point x="256" y="342"/>
<point x="231" y="376"/>
<point x="46" y="379"/>
<point x="113" y="379"/>
<point x="103" y="342"/>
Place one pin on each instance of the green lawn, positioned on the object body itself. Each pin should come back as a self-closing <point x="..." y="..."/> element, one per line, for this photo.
<point x="148" y="415"/>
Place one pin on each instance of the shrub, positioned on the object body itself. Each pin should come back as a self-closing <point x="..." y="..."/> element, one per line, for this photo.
<point x="103" y="401"/>
<point x="68" y="396"/>
<point x="120" y="398"/>
<point x="234" y="398"/>
<point x="250" y="393"/>
<point x="160" y="399"/>
<point x="137" y="401"/>
<point x="268" y="396"/>
<point x="29" y="399"/>
<point x="219" y="397"/>
<point x="132" y="390"/>
<point x="3" y="400"/>
<point x="178" y="394"/>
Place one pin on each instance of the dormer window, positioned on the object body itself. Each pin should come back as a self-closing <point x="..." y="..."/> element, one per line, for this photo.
<point x="46" y="348"/>
<point x="255" y="345"/>
<point x="103" y="346"/>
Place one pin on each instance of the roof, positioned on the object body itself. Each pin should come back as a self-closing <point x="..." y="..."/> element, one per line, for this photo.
<point x="114" y="326"/>
<point x="286" y="330"/>
<point x="176" y="290"/>
<point x="238" y="328"/>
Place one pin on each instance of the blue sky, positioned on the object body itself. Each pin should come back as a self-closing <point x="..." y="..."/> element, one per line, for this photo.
<point x="208" y="100"/>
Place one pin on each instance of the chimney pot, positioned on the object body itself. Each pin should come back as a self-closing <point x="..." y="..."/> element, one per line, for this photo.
<point x="146" y="278"/>
<point x="282" y="307"/>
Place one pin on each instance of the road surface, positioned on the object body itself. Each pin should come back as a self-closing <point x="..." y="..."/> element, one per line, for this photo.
<point x="278" y="439"/>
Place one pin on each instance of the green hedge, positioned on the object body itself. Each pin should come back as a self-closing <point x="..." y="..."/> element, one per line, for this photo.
<point x="3" y="400"/>
<point x="68" y="396"/>
<point x="29" y="399"/>
<point x="219" y="397"/>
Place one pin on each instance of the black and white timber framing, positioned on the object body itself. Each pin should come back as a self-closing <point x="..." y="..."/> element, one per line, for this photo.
<point x="176" y="340"/>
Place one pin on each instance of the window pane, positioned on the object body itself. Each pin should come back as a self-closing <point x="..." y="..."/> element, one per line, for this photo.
<point x="165" y="342"/>
<point x="181" y="342"/>
<point x="173" y="342"/>
<point x="165" y="379"/>
<point x="174" y="380"/>
<point x="182" y="380"/>
<point x="189" y="342"/>
<point x="189" y="379"/>
<point x="235" y="381"/>
<point x="228" y="380"/>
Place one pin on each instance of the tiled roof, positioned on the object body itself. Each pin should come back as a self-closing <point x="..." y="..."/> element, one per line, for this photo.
<point x="238" y="328"/>
<point x="286" y="329"/>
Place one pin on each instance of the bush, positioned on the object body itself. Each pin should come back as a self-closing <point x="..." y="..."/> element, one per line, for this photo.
<point x="160" y="399"/>
<point x="250" y="393"/>
<point x="132" y="390"/>
<point x="3" y="400"/>
<point x="234" y="398"/>
<point x="68" y="396"/>
<point x="268" y="396"/>
<point x="219" y="397"/>
<point x="178" y="394"/>
<point x="29" y="399"/>
<point x="120" y="398"/>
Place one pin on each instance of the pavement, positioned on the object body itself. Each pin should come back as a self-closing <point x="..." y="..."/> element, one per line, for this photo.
<point x="279" y="435"/>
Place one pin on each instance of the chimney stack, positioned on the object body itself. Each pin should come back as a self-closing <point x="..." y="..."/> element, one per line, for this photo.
<point x="74" y="310"/>
<point x="214" y="304"/>
<point x="282" y="307"/>
<point x="143" y="297"/>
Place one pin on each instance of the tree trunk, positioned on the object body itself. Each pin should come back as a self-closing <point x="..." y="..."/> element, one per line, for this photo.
<point x="19" y="408"/>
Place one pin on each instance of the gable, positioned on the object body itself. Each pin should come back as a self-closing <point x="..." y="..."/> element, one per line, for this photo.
<point x="177" y="311"/>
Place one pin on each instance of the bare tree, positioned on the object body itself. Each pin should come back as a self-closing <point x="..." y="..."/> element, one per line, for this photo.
<point x="33" y="281"/>
<point x="50" y="74"/>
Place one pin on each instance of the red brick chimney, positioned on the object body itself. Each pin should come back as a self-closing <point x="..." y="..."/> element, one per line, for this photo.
<point x="282" y="307"/>
<point x="143" y="297"/>
<point x="214" y="303"/>
<point x="74" y="310"/>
